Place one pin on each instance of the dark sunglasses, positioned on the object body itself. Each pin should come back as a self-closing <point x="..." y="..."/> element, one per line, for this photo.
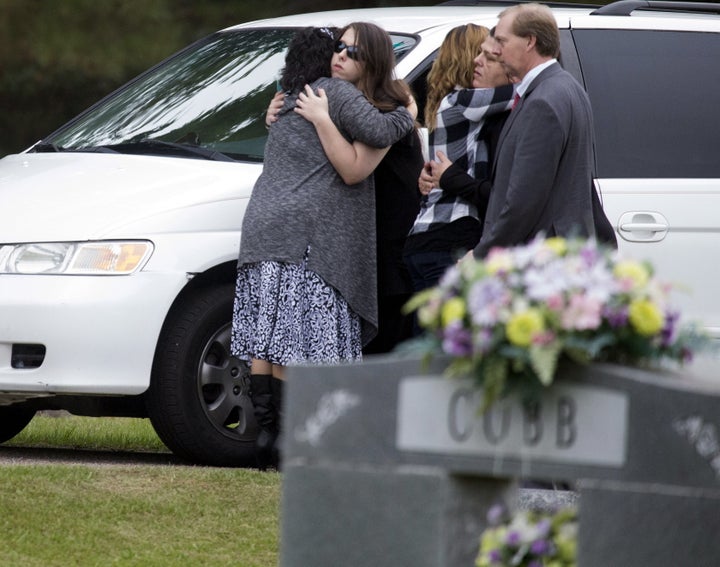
<point x="353" y="52"/>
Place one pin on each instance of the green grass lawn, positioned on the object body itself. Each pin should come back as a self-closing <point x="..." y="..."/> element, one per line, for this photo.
<point x="61" y="515"/>
<point x="74" y="432"/>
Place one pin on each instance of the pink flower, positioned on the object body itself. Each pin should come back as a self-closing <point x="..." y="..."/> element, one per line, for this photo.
<point x="582" y="313"/>
<point x="555" y="302"/>
<point x="544" y="338"/>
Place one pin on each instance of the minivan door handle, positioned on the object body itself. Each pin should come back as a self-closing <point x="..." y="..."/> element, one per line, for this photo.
<point x="643" y="226"/>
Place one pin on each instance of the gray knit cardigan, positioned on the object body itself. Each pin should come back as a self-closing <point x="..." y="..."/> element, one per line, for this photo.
<point x="300" y="201"/>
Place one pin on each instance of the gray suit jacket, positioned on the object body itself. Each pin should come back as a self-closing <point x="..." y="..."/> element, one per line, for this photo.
<point x="542" y="175"/>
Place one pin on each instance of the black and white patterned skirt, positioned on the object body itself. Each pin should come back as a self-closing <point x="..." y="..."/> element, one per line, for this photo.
<point x="285" y="313"/>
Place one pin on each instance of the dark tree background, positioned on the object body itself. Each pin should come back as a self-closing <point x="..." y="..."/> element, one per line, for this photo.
<point x="57" y="57"/>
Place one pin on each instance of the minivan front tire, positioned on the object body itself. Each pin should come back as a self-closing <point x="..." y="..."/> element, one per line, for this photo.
<point x="198" y="400"/>
<point x="13" y="420"/>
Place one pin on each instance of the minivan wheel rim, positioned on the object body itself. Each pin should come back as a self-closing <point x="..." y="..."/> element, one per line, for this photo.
<point x="223" y="388"/>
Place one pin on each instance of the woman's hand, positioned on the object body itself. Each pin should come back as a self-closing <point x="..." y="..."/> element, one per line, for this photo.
<point x="313" y="107"/>
<point x="438" y="167"/>
<point x="426" y="182"/>
<point x="432" y="172"/>
<point x="275" y="105"/>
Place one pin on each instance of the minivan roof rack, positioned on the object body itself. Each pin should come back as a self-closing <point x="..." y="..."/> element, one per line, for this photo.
<point x="512" y="2"/>
<point x="627" y="7"/>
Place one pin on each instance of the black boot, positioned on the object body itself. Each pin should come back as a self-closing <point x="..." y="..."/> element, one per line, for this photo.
<point x="276" y="386"/>
<point x="266" y="418"/>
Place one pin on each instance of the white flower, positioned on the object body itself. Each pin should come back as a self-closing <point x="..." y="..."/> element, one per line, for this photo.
<point x="527" y="530"/>
<point x="451" y="278"/>
<point x="487" y="299"/>
<point x="545" y="282"/>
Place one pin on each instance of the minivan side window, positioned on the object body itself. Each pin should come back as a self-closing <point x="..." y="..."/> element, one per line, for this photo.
<point x="653" y="93"/>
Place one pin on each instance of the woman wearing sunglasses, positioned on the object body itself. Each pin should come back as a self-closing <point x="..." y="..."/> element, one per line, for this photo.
<point x="362" y="50"/>
<point x="306" y="270"/>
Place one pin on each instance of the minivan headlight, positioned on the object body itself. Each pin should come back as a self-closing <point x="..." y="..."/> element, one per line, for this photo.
<point x="102" y="258"/>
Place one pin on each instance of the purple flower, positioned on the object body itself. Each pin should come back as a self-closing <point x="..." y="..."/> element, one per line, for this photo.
<point x="512" y="538"/>
<point x="668" y="335"/>
<point x="495" y="515"/>
<point x="543" y="527"/>
<point x="540" y="547"/>
<point x="494" y="556"/>
<point x="615" y="316"/>
<point x="457" y="341"/>
<point x="535" y="563"/>
<point x="590" y="254"/>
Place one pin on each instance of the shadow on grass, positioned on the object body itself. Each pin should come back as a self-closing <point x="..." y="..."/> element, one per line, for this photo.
<point x="38" y="455"/>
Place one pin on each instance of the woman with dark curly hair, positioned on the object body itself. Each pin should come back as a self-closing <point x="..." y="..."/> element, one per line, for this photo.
<point x="306" y="271"/>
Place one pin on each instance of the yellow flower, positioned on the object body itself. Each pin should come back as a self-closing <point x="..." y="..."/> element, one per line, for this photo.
<point x="427" y="317"/>
<point x="524" y="326"/>
<point x="566" y="548"/>
<point x="453" y="310"/>
<point x="645" y="317"/>
<point x="427" y="303"/>
<point x="492" y="538"/>
<point x="632" y="271"/>
<point x="557" y="244"/>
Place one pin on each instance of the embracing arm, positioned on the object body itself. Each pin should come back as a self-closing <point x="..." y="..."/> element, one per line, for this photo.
<point x="453" y="180"/>
<point x="354" y="162"/>
<point x="456" y="181"/>
<point x="355" y="115"/>
<point x="271" y="115"/>
<point x="476" y="104"/>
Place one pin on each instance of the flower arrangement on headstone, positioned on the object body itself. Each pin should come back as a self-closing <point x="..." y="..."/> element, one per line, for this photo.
<point x="529" y="539"/>
<point x="510" y="320"/>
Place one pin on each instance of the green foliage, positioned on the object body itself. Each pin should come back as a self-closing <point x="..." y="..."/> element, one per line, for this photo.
<point x="59" y="57"/>
<point x="544" y="361"/>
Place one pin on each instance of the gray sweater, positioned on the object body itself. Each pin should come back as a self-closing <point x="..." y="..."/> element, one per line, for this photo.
<point x="300" y="201"/>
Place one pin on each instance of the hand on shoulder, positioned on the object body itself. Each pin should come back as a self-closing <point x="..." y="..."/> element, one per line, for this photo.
<point x="312" y="106"/>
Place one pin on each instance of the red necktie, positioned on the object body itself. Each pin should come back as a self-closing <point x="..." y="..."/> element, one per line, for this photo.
<point x="516" y="99"/>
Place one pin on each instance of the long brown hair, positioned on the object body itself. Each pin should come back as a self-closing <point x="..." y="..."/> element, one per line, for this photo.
<point x="453" y="66"/>
<point x="377" y="79"/>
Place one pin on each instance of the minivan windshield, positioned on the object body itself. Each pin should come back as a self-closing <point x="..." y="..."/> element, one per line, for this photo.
<point x="208" y="101"/>
<point x="212" y="95"/>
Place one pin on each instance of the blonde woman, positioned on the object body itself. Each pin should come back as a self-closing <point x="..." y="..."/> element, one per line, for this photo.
<point x="469" y="96"/>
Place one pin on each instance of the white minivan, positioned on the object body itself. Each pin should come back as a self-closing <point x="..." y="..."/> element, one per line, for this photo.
<point x="119" y="232"/>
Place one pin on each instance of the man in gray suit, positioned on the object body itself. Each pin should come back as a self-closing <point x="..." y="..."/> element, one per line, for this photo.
<point x="542" y="175"/>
